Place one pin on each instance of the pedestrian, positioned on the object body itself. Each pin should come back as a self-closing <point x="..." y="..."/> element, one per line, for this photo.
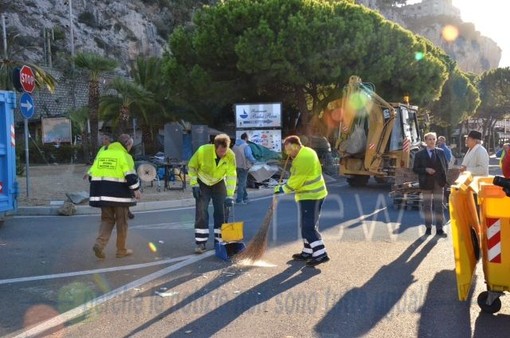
<point x="114" y="186"/>
<point x="441" y="143"/>
<point x="504" y="151"/>
<point x="308" y="184"/>
<point x="476" y="160"/>
<point x="244" y="161"/>
<point x="505" y="161"/>
<point x="431" y="166"/>
<point x="106" y="140"/>
<point x="212" y="175"/>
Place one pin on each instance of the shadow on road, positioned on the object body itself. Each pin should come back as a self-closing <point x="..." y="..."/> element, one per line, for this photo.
<point x="227" y="312"/>
<point x="442" y="314"/>
<point x="360" y="309"/>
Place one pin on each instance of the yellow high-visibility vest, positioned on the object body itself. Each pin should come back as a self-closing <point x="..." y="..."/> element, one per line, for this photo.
<point x="202" y="165"/>
<point x="306" y="179"/>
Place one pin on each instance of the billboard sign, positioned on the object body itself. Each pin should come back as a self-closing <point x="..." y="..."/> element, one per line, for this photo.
<point x="264" y="115"/>
<point x="56" y="130"/>
<point x="271" y="139"/>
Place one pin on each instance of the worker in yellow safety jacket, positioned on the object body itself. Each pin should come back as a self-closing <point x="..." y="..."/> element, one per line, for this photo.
<point x="308" y="184"/>
<point x="114" y="187"/>
<point x="212" y="174"/>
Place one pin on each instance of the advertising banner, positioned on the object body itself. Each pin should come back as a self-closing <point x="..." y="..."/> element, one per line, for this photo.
<point x="264" y="115"/>
<point x="271" y="139"/>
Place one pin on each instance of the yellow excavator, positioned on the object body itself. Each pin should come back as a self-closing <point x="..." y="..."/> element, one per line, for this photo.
<point x="375" y="138"/>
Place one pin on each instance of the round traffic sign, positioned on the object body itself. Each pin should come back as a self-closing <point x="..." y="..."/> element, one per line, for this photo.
<point x="27" y="79"/>
<point x="26" y="104"/>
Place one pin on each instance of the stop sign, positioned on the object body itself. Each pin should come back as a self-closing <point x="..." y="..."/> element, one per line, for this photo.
<point x="27" y="79"/>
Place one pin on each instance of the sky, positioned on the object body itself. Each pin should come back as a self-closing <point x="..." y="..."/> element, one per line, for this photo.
<point x="490" y="18"/>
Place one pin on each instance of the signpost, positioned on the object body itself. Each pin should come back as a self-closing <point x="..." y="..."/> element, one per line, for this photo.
<point x="27" y="82"/>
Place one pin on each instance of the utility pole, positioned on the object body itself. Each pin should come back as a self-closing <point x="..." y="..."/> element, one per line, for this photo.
<point x="71" y="28"/>
<point x="4" y="30"/>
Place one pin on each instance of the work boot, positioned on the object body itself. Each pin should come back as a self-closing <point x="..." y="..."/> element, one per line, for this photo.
<point x="301" y="256"/>
<point x="126" y="253"/>
<point x="98" y="252"/>
<point x="318" y="260"/>
<point x="428" y="232"/>
<point x="200" y="249"/>
<point x="441" y="233"/>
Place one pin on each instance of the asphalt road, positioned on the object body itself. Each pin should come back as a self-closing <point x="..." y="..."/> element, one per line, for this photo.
<point x="384" y="278"/>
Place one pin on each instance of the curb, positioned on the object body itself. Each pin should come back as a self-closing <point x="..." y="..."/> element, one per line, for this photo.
<point x="52" y="210"/>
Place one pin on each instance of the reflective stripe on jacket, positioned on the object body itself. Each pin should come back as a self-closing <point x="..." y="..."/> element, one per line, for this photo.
<point x="202" y="166"/>
<point x="306" y="178"/>
<point x="113" y="178"/>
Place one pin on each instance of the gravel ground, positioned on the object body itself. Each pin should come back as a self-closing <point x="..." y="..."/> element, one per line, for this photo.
<point x="51" y="183"/>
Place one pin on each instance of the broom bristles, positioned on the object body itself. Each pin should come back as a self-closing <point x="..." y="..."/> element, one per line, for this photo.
<point x="257" y="246"/>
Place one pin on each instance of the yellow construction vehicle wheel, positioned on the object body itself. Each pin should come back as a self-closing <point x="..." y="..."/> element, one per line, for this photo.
<point x="358" y="180"/>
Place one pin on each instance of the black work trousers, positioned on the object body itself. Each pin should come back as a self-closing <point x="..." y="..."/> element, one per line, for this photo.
<point x="217" y="193"/>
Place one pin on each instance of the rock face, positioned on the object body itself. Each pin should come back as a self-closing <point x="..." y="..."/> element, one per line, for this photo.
<point x="40" y="31"/>
<point x="472" y="51"/>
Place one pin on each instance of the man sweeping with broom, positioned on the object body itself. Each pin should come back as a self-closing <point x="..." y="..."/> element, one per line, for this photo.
<point x="308" y="184"/>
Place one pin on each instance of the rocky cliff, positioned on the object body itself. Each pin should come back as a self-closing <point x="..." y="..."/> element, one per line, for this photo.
<point x="40" y="31"/>
<point x="472" y="51"/>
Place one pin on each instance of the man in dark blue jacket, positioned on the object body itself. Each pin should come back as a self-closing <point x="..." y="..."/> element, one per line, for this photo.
<point x="431" y="166"/>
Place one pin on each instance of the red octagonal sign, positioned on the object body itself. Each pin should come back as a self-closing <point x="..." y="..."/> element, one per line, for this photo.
<point x="27" y="79"/>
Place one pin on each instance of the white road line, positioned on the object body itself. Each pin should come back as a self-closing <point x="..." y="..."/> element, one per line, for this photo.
<point x="91" y="272"/>
<point x="84" y="308"/>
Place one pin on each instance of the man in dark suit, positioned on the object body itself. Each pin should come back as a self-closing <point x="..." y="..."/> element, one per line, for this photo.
<point x="430" y="164"/>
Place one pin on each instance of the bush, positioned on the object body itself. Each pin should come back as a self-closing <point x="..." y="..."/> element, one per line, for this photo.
<point x="49" y="153"/>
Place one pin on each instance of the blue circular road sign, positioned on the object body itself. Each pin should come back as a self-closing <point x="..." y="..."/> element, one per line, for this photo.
<point x="26" y="105"/>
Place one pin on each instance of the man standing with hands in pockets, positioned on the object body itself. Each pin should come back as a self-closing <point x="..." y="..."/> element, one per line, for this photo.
<point x="431" y="166"/>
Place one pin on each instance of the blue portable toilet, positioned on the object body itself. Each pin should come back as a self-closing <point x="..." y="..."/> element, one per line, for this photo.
<point x="8" y="184"/>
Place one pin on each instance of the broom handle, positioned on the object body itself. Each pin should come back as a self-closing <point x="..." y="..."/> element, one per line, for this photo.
<point x="231" y="209"/>
<point x="284" y="169"/>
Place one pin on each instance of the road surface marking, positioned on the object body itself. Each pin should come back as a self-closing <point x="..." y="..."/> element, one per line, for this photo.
<point x="91" y="272"/>
<point x="84" y="308"/>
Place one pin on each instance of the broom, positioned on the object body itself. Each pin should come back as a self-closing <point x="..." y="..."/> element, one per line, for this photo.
<point x="257" y="246"/>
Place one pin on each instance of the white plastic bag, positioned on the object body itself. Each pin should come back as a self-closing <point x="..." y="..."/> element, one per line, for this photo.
<point x="357" y="141"/>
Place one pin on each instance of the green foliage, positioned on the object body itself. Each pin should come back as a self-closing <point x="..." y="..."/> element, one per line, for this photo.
<point x="300" y="52"/>
<point x="47" y="153"/>
<point x="494" y="87"/>
<point x="458" y="102"/>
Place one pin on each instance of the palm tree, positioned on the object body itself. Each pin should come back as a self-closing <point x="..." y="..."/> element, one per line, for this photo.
<point x="95" y="65"/>
<point x="79" y="119"/>
<point x="147" y="72"/>
<point x="126" y="96"/>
